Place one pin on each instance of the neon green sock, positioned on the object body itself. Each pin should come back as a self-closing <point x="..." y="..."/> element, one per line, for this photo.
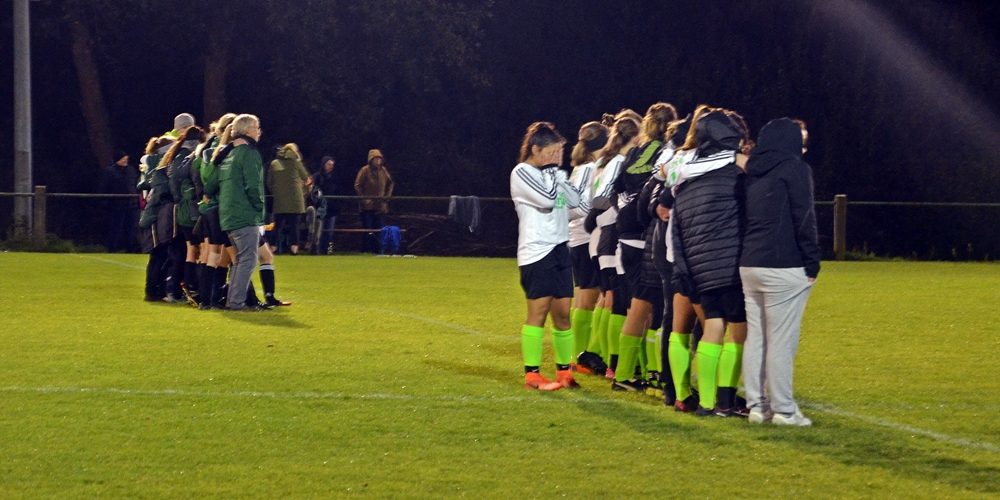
<point x="531" y="345"/>
<point x="615" y="323"/>
<point x="562" y="345"/>
<point x="597" y="340"/>
<point x="679" y="354"/>
<point x="582" y="319"/>
<point x="627" y="356"/>
<point x="659" y="350"/>
<point x="652" y="351"/>
<point x="730" y="363"/>
<point x="708" y="366"/>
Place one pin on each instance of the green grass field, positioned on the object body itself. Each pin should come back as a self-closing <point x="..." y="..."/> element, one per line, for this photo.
<point x="402" y="378"/>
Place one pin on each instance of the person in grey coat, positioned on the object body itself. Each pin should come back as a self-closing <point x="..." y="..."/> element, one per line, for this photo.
<point x="778" y="266"/>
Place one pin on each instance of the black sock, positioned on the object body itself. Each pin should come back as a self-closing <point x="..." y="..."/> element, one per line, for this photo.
<point x="206" y="284"/>
<point x="190" y="279"/>
<point x="267" y="279"/>
<point x="220" y="282"/>
<point x="252" y="299"/>
<point x="530" y="369"/>
<point x="614" y="362"/>
<point x="561" y="367"/>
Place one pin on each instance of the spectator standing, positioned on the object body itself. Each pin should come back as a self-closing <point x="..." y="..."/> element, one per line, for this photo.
<point x="121" y="178"/>
<point x="326" y="180"/>
<point x="287" y="179"/>
<point x="778" y="267"/>
<point x="241" y="203"/>
<point x="375" y="185"/>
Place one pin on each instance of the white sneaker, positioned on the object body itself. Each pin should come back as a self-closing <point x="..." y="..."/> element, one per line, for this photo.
<point x="759" y="415"/>
<point x="796" y="419"/>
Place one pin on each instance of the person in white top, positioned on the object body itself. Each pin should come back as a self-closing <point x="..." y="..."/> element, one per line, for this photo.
<point x="604" y="212"/>
<point x="586" y="275"/>
<point x="542" y="196"/>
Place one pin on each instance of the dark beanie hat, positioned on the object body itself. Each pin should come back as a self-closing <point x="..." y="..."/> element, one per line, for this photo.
<point x="119" y="154"/>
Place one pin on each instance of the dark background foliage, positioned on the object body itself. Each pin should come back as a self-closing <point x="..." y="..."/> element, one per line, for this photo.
<point x="901" y="96"/>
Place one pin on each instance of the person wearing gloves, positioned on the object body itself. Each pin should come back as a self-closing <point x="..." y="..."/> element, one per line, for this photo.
<point x="778" y="266"/>
<point x="542" y="197"/>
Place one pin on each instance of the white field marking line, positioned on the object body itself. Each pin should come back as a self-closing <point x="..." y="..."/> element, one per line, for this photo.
<point x="937" y="436"/>
<point x="881" y="422"/>
<point x="111" y="261"/>
<point x="444" y="324"/>
<point x="305" y="395"/>
<point x="380" y="396"/>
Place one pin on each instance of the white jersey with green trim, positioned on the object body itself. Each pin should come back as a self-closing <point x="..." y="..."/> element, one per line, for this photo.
<point x="542" y="199"/>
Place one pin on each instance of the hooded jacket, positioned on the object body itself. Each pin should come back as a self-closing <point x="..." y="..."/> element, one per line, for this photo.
<point x="329" y="184"/>
<point x="706" y="216"/>
<point x="373" y="181"/>
<point x="286" y="181"/>
<point x="780" y="216"/>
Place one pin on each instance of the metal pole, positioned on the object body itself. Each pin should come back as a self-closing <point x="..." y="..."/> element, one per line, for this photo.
<point x="22" y="117"/>
<point x="840" y="226"/>
<point x="38" y="229"/>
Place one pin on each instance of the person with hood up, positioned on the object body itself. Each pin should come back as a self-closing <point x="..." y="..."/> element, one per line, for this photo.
<point x="778" y="266"/>
<point x="374" y="185"/>
<point x="706" y="246"/>
<point x="287" y="180"/>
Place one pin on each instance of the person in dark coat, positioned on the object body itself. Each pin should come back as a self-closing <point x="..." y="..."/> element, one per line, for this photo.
<point x="328" y="182"/>
<point x="121" y="178"/>
<point x="778" y="266"/>
<point x="707" y="224"/>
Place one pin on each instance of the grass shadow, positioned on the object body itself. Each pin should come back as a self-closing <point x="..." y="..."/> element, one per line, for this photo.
<point x="848" y="442"/>
<point x="489" y="373"/>
<point x="269" y="317"/>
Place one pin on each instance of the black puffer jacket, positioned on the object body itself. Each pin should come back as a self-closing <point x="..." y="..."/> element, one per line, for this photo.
<point x="781" y="221"/>
<point x="707" y="214"/>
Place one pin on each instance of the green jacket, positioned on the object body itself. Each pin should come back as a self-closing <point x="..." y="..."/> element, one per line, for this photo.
<point x="157" y="183"/>
<point x="286" y="181"/>
<point x="209" y="180"/>
<point x="182" y="188"/>
<point x="241" y="189"/>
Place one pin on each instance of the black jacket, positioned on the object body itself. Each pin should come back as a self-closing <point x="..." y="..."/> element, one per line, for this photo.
<point x="707" y="214"/>
<point x="328" y="184"/>
<point x="120" y="180"/>
<point x="780" y="217"/>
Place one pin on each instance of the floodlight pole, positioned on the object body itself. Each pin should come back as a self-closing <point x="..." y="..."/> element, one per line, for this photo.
<point x="22" y="118"/>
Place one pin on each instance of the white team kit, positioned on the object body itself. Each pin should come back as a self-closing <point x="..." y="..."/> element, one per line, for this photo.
<point x="542" y="198"/>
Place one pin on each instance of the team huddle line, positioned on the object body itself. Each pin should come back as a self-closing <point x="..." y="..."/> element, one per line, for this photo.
<point x="674" y="256"/>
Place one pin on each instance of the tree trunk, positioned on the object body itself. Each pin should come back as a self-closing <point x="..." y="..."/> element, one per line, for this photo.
<point x="220" y="40"/>
<point x="95" y="114"/>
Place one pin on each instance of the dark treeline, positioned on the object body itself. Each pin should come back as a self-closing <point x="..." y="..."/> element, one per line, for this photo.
<point x="901" y="96"/>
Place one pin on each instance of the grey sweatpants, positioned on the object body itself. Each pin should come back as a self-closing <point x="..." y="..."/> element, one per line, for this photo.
<point x="775" y="300"/>
<point x="246" y="240"/>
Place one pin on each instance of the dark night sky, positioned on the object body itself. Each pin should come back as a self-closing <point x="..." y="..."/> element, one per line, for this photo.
<point x="902" y="97"/>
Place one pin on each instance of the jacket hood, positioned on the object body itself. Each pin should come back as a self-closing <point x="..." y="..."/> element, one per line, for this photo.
<point x="779" y="141"/>
<point x="374" y="153"/>
<point x="287" y="152"/>
<point x="716" y="132"/>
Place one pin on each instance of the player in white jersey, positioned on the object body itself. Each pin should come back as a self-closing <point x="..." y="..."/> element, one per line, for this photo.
<point x="542" y="198"/>
<point x="586" y="275"/>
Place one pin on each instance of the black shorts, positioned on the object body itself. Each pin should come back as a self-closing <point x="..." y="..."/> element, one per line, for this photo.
<point x="608" y="278"/>
<point x="607" y="244"/>
<point x="726" y="303"/>
<point x="550" y="277"/>
<point x="584" y="268"/>
<point x="187" y="234"/>
<point x="213" y="228"/>
<point x="684" y="285"/>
